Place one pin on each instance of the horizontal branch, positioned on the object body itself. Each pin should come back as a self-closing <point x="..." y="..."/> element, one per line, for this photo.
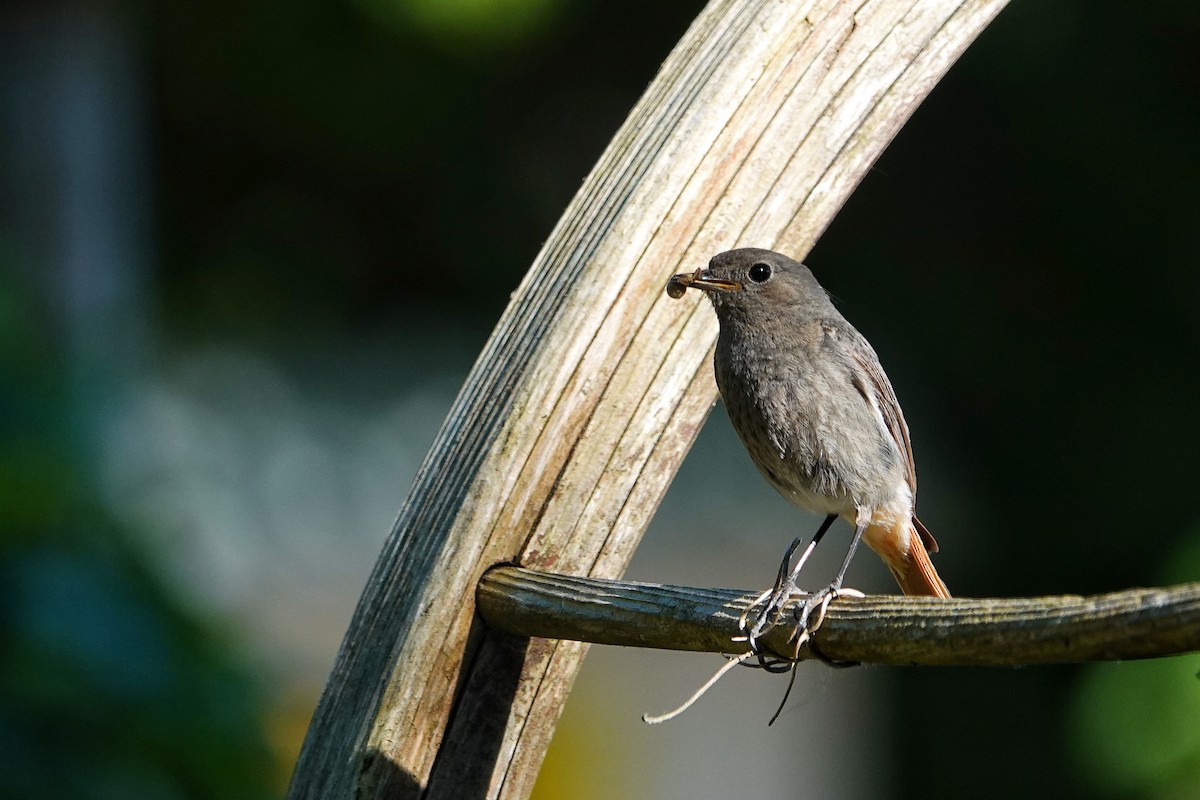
<point x="880" y="629"/>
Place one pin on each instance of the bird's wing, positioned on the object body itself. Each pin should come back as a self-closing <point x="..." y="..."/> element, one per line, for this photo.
<point x="873" y="384"/>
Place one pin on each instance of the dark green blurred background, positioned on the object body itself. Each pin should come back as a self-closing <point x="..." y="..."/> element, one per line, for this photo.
<point x="249" y="250"/>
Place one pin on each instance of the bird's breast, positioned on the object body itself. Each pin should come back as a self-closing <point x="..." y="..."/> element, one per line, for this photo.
<point x="806" y="428"/>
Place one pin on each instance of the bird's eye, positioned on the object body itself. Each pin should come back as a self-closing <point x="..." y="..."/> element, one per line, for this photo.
<point x="760" y="273"/>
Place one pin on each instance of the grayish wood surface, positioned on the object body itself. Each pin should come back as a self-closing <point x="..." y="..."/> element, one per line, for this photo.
<point x="594" y="384"/>
<point x="880" y="629"/>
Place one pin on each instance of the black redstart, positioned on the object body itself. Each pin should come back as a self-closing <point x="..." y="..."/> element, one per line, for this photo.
<point x="811" y="403"/>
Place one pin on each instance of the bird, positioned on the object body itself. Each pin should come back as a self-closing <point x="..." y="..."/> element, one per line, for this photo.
<point x="807" y="396"/>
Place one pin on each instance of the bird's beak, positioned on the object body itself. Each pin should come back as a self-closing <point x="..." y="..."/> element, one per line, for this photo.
<point x="700" y="279"/>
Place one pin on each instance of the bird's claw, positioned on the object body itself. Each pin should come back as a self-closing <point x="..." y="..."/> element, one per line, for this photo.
<point x="809" y="615"/>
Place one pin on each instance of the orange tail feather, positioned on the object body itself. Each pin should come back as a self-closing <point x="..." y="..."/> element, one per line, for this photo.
<point x="903" y="550"/>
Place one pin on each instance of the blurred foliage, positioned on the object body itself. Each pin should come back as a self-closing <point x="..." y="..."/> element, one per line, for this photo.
<point x="1135" y="728"/>
<point x="109" y="686"/>
<point x="478" y="24"/>
<point x="317" y="168"/>
<point x="1134" y="725"/>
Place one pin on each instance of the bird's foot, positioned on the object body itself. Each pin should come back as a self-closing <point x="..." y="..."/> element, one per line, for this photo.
<point x="764" y="613"/>
<point x="811" y="613"/>
<point x="770" y="606"/>
<point x="808" y="617"/>
<point x="774" y="599"/>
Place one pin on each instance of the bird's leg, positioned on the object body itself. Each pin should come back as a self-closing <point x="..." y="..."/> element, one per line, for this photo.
<point x="785" y="584"/>
<point x="822" y="598"/>
<point x="812" y="545"/>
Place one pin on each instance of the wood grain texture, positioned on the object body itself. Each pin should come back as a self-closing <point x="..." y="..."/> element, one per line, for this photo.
<point x="594" y="384"/>
<point x="879" y="629"/>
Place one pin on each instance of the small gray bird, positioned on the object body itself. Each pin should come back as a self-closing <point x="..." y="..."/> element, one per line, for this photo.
<point x="806" y="394"/>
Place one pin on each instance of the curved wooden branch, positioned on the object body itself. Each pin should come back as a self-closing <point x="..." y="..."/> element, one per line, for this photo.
<point x="879" y="629"/>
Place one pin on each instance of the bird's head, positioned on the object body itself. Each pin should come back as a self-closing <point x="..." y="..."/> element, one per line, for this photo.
<point x="753" y="282"/>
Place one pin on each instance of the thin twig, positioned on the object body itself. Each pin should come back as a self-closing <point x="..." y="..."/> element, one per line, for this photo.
<point x="655" y="719"/>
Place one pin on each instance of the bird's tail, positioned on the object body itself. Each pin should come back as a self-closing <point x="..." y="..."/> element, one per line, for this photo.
<point x="902" y="547"/>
